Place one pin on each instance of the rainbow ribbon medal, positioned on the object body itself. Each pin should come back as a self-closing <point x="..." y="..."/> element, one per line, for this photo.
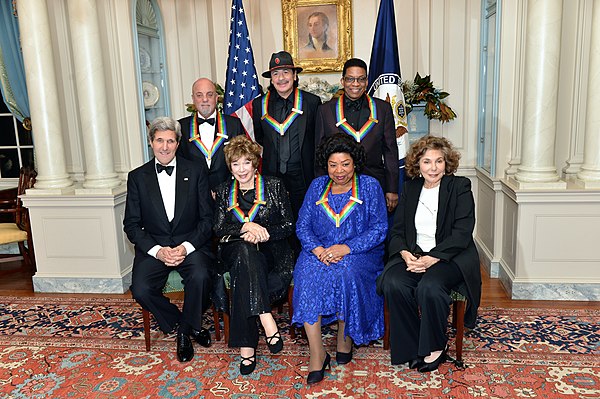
<point x="259" y="199"/>
<point x="281" y="128"/>
<point x="219" y="139"/>
<point x="345" y="126"/>
<point x="354" y="200"/>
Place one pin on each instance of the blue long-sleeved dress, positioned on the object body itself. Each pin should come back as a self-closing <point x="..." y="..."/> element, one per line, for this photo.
<point x="345" y="290"/>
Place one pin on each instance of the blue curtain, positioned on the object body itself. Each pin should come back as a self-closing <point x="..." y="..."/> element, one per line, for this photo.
<point x="12" y="70"/>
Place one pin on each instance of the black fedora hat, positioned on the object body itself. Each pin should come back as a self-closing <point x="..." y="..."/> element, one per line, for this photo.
<point x="280" y="60"/>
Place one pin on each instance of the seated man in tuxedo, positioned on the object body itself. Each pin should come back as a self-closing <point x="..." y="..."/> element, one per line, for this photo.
<point x="206" y="132"/>
<point x="168" y="217"/>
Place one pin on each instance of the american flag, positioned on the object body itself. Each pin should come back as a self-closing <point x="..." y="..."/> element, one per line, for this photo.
<point x="242" y="81"/>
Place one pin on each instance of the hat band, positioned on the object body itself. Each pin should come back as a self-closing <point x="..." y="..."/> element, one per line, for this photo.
<point x="283" y="66"/>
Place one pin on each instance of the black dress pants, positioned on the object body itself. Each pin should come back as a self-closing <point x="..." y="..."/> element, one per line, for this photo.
<point x="149" y="277"/>
<point x="419" y="306"/>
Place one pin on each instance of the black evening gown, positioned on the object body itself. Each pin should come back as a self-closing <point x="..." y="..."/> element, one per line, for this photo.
<point x="259" y="274"/>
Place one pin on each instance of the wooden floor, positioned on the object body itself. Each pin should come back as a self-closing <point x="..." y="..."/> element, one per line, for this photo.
<point x="15" y="281"/>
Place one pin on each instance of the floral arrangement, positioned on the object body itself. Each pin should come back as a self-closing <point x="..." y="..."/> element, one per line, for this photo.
<point x="319" y="87"/>
<point x="421" y="90"/>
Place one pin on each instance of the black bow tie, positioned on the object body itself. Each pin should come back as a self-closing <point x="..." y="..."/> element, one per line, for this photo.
<point x="210" y="121"/>
<point x="353" y="104"/>
<point x="168" y="169"/>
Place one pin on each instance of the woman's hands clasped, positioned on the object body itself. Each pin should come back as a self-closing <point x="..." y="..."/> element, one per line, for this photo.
<point x="332" y="254"/>
<point x="254" y="233"/>
<point x="417" y="263"/>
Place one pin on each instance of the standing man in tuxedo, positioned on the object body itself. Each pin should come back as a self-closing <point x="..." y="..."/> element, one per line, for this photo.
<point x="370" y="121"/>
<point x="284" y="125"/>
<point x="206" y="131"/>
<point x="168" y="217"/>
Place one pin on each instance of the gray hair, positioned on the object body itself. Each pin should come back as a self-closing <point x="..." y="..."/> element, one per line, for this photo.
<point x="163" y="123"/>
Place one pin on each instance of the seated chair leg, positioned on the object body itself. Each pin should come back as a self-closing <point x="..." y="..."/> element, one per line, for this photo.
<point x="146" y="318"/>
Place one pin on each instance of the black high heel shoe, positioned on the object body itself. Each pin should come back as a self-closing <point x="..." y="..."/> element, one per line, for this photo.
<point x="317" y="375"/>
<point x="278" y="345"/>
<point x="415" y="363"/>
<point x="246" y="369"/>
<point x="343" y="357"/>
<point x="428" y="367"/>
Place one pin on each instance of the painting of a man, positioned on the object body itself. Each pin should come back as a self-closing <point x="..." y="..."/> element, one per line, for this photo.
<point x="317" y="36"/>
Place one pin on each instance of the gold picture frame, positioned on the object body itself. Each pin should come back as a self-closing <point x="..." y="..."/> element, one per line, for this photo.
<point x="303" y="18"/>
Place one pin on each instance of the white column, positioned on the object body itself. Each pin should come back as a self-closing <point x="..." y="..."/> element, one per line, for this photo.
<point x="91" y="90"/>
<point x="43" y="98"/>
<point x="542" y="56"/>
<point x="589" y="175"/>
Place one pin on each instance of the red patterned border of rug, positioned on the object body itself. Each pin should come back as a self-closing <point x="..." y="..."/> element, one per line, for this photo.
<point x="94" y="348"/>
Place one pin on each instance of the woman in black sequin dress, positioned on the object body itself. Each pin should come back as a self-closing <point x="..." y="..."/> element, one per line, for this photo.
<point x="254" y="215"/>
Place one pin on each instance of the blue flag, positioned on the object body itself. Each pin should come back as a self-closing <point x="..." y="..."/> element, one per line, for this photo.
<point x="242" y="81"/>
<point x="385" y="79"/>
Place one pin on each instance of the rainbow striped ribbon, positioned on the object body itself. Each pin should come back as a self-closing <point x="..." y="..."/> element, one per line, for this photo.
<point x="259" y="199"/>
<point x="354" y="200"/>
<point x="219" y="139"/>
<point x="281" y="128"/>
<point x="366" y="128"/>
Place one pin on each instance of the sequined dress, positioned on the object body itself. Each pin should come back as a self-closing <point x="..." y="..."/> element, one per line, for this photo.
<point x="345" y="290"/>
<point x="259" y="275"/>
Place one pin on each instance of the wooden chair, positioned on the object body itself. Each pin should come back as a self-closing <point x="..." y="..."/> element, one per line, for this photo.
<point x="459" y="304"/>
<point x="20" y="230"/>
<point x="225" y="315"/>
<point x="174" y="290"/>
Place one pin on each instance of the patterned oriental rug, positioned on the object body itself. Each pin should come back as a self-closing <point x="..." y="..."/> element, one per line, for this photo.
<point x="94" y="348"/>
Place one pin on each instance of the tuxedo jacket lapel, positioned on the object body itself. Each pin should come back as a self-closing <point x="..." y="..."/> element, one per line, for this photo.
<point x="151" y="181"/>
<point x="182" y="185"/>
<point x="301" y="121"/>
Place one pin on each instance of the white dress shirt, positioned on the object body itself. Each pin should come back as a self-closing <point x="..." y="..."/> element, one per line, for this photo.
<point x="207" y="134"/>
<point x="166" y="184"/>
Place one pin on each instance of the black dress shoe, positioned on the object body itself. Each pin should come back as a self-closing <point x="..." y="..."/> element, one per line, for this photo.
<point x="317" y="375"/>
<point x="415" y="363"/>
<point x="278" y="345"/>
<point x="343" y="357"/>
<point x="202" y="337"/>
<point x="185" y="349"/>
<point x="246" y="369"/>
<point x="427" y="367"/>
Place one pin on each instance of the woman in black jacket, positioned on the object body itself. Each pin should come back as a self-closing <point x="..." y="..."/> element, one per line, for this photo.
<point x="253" y="220"/>
<point x="431" y="252"/>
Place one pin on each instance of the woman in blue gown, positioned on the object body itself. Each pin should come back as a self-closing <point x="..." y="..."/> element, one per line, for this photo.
<point x="342" y="226"/>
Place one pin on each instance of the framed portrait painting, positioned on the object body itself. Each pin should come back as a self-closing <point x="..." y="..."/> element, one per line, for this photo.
<point x="318" y="33"/>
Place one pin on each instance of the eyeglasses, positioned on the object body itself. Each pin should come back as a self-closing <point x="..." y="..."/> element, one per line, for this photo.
<point x="352" y="79"/>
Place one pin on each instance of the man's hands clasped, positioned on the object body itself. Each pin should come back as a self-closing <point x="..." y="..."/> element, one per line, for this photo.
<point x="172" y="257"/>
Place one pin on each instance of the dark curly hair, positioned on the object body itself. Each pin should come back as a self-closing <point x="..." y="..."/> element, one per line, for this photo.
<point x="341" y="143"/>
<point x="420" y="147"/>
<point x="241" y="146"/>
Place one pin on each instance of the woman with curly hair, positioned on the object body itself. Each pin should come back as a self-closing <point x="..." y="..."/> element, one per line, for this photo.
<point x="431" y="252"/>
<point x="254" y="222"/>
<point x="342" y="226"/>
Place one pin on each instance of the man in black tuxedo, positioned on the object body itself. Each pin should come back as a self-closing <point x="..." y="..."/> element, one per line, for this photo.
<point x="284" y="124"/>
<point x="206" y="132"/>
<point x="168" y="217"/>
<point x="370" y="121"/>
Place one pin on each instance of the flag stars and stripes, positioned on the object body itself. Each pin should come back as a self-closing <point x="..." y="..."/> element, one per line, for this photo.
<point x="241" y="80"/>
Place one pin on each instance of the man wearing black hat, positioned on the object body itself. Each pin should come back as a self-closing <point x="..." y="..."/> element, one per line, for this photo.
<point x="369" y="121"/>
<point x="284" y="124"/>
